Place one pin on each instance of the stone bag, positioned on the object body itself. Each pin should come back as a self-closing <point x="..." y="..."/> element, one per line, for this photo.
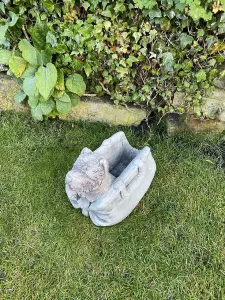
<point x="109" y="182"/>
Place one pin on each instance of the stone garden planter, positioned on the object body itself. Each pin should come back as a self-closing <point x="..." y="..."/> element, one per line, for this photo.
<point x="108" y="183"/>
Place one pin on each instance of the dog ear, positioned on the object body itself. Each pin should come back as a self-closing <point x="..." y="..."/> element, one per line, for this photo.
<point x="85" y="151"/>
<point x="81" y="158"/>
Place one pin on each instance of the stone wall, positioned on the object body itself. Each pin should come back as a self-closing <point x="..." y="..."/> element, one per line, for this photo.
<point x="89" y="109"/>
<point x="101" y="109"/>
<point x="212" y="110"/>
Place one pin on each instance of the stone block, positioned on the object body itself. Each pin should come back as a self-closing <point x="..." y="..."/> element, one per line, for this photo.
<point x="178" y="99"/>
<point x="95" y="109"/>
<point x="181" y="122"/>
<point x="220" y="83"/>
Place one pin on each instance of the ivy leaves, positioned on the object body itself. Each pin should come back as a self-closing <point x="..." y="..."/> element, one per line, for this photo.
<point x="148" y="4"/>
<point x="168" y="61"/>
<point x="185" y="40"/>
<point x="154" y="49"/>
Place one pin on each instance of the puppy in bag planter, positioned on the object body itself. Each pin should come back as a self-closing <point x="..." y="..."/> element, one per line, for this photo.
<point x="109" y="182"/>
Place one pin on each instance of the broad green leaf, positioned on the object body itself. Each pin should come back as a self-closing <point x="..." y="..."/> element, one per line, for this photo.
<point x="64" y="98"/>
<point x="75" y="99"/>
<point x="58" y="94"/>
<point x="63" y="107"/>
<point x="3" y="39"/>
<point x="29" y="87"/>
<point x="29" y="71"/>
<point x="60" y="81"/>
<point x="185" y="40"/>
<point x="5" y="56"/>
<point x="76" y="84"/>
<point x="168" y="61"/>
<point x="37" y="113"/>
<point x="2" y="7"/>
<point x="51" y="39"/>
<point x="46" y="78"/>
<point x="29" y="53"/>
<point x="14" y="18"/>
<point x="46" y="56"/>
<point x="87" y="69"/>
<point x="33" y="101"/>
<point x="3" y="30"/>
<point x="47" y="107"/>
<point x="19" y="97"/>
<point x="38" y="33"/>
<point x="17" y="65"/>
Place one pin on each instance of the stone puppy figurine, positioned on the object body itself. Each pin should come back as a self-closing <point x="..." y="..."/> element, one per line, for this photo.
<point x="109" y="182"/>
<point x="88" y="180"/>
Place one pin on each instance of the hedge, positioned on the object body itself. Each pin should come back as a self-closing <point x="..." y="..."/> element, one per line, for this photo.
<point x="139" y="51"/>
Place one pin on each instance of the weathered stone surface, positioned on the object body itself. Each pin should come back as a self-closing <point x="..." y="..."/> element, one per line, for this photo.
<point x="180" y="122"/>
<point x="178" y="99"/>
<point x="220" y="83"/>
<point x="90" y="108"/>
<point x="109" y="182"/>
<point x="8" y="89"/>
<point x="212" y="106"/>
<point x="221" y="116"/>
<point x="103" y="111"/>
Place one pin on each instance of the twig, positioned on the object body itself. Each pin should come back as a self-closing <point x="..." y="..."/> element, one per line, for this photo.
<point x="126" y="106"/>
<point x="89" y="95"/>
<point x="104" y="88"/>
<point x="169" y="40"/>
<point x="25" y="33"/>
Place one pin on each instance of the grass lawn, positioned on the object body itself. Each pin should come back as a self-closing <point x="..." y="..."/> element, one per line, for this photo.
<point x="171" y="247"/>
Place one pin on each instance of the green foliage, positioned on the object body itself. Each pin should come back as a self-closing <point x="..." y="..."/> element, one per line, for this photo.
<point x="46" y="78"/>
<point x="40" y="82"/>
<point x="139" y="51"/>
<point x="5" y="56"/>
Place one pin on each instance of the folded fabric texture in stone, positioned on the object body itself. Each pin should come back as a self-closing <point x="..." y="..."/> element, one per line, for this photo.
<point x="109" y="182"/>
